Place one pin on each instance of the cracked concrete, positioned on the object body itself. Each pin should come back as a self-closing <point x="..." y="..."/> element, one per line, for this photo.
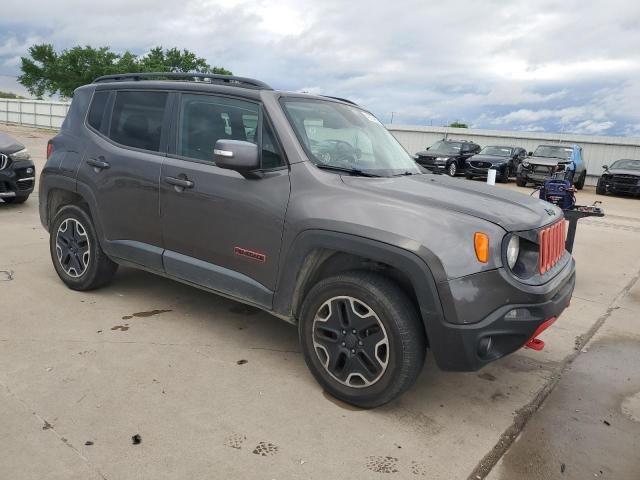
<point x="175" y="378"/>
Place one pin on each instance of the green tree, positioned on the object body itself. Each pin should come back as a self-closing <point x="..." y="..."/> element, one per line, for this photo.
<point x="458" y="124"/>
<point x="47" y="71"/>
<point x="10" y="95"/>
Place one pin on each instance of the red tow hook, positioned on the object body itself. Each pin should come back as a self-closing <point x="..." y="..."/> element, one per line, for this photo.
<point x="535" y="343"/>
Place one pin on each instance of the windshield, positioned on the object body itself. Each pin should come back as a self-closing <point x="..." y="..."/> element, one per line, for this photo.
<point x="627" y="164"/>
<point x="446" y="148"/>
<point x="346" y="137"/>
<point x="553" y="152"/>
<point x="497" y="151"/>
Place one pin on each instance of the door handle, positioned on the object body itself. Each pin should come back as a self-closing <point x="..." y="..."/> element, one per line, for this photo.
<point x="98" y="164"/>
<point x="179" y="182"/>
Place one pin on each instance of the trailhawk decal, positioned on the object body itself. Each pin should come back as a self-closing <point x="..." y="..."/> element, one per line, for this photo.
<point x="257" y="256"/>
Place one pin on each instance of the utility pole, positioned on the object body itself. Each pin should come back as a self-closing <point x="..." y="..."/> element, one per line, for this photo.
<point x="392" y="117"/>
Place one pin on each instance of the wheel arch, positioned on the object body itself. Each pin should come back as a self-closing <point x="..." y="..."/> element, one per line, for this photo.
<point x="317" y="254"/>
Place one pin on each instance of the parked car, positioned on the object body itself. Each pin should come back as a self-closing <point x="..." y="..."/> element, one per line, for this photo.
<point x="503" y="159"/>
<point x="447" y="156"/>
<point x="17" y="172"/>
<point x="622" y="177"/>
<point x="553" y="160"/>
<point x="322" y="219"/>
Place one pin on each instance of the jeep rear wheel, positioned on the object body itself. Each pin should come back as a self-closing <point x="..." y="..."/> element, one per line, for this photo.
<point x="75" y="252"/>
<point x="581" y="180"/>
<point x="362" y="338"/>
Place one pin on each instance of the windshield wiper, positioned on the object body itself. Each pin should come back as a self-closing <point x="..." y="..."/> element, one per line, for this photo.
<point x="350" y="171"/>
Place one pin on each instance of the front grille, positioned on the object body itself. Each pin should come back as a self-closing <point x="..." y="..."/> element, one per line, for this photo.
<point x="542" y="169"/>
<point x="552" y="245"/>
<point x="478" y="164"/>
<point x="626" y="179"/>
<point x="25" y="185"/>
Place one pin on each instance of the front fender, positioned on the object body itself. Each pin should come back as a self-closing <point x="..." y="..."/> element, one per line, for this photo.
<point x="300" y="261"/>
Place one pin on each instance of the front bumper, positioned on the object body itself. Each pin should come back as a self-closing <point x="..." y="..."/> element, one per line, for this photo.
<point x="483" y="172"/>
<point x="489" y="315"/>
<point x="611" y="186"/>
<point x="15" y="181"/>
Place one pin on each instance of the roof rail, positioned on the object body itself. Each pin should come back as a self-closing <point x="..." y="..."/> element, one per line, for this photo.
<point x="342" y="100"/>
<point x="186" y="76"/>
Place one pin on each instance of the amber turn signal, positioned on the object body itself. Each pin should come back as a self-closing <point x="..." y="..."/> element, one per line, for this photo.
<point x="481" y="245"/>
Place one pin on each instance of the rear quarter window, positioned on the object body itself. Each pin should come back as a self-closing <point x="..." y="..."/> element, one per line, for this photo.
<point x="97" y="109"/>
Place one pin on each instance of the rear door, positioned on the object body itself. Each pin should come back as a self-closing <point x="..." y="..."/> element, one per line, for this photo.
<point x="222" y="230"/>
<point x="121" y="171"/>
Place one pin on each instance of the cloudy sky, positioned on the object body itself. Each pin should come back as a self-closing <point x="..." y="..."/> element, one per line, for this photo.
<point x="570" y="65"/>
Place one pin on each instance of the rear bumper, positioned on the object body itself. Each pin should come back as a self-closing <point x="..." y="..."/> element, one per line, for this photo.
<point x="15" y="181"/>
<point x="489" y="315"/>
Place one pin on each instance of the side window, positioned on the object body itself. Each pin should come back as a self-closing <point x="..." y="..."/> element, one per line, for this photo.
<point x="137" y="119"/>
<point x="96" y="111"/>
<point x="205" y="119"/>
<point x="271" y="156"/>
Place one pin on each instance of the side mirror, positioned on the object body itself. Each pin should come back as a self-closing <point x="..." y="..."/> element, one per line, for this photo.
<point x="427" y="148"/>
<point x="606" y="167"/>
<point x="529" y="154"/>
<point x="237" y="155"/>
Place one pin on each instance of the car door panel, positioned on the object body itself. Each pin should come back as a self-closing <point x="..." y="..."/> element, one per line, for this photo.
<point x="125" y="186"/>
<point x="215" y="220"/>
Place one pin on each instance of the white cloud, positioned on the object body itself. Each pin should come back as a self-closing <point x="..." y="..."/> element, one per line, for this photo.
<point x="517" y="64"/>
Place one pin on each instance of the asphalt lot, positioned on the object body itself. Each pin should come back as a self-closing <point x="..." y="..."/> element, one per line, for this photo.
<point x="219" y="390"/>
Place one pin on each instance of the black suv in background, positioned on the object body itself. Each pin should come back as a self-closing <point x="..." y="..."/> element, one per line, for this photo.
<point x="622" y="177"/>
<point x="308" y="208"/>
<point x="503" y="159"/>
<point x="17" y="173"/>
<point x="448" y="156"/>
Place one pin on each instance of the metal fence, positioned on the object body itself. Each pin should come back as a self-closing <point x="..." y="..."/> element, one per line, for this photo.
<point x="35" y="113"/>
<point x="598" y="150"/>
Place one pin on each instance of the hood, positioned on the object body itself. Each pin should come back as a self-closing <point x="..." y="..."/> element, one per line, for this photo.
<point x="545" y="161"/>
<point x="489" y="158"/>
<point x="622" y="171"/>
<point x="8" y="144"/>
<point x="510" y="210"/>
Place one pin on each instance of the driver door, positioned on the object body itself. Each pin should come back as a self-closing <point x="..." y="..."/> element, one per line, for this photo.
<point x="220" y="229"/>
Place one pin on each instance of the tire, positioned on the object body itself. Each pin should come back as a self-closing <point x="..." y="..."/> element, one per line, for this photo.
<point x="600" y="190"/>
<point x="15" y="200"/>
<point x="504" y="178"/>
<point x="365" y="374"/>
<point x="521" y="182"/>
<point x="75" y="251"/>
<point x="452" y="169"/>
<point x="581" y="180"/>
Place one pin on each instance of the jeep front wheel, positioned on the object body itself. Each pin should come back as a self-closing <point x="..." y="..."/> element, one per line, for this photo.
<point x="362" y="338"/>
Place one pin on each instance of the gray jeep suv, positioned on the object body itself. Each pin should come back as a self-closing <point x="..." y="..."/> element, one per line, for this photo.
<point x="308" y="208"/>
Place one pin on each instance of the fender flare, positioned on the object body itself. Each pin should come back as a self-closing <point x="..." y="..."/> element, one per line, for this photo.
<point x="301" y="260"/>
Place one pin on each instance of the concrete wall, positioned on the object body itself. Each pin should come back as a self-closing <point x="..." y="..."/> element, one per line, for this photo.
<point x="597" y="150"/>
<point x="36" y="113"/>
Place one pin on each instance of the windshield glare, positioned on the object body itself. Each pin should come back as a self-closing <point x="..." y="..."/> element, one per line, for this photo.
<point x="497" y="151"/>
<point x="343" y="136"/>
<point x="553" y="152"/>
<point x="628" y="164"/>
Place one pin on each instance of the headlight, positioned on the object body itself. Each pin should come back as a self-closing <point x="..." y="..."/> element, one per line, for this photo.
<point x="442" y="159"/>
<point x="525" y="164"/>
<point x="513" y="250"/>
<point x="20" y="155"/>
